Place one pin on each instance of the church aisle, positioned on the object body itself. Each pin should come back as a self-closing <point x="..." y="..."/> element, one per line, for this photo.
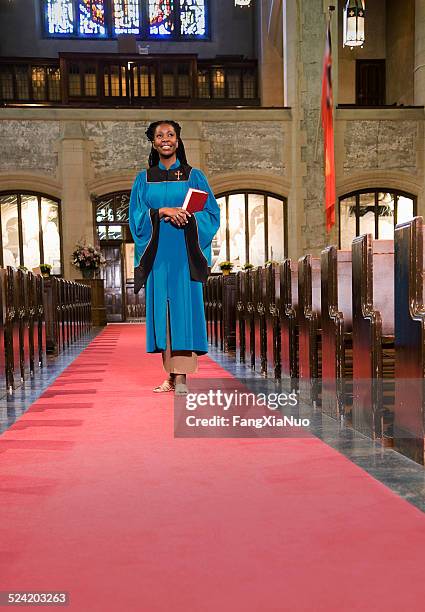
<point x="100" y="500"/>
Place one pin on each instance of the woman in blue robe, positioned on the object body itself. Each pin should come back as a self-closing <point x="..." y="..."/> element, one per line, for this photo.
<point x="172" y="253"/>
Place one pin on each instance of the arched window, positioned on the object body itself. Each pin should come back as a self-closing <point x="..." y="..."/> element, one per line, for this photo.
<point x="253" y="229"/>
<point x="30" y="230"/>
<point x="146" y="19"/>
<point x="373" y="211"/>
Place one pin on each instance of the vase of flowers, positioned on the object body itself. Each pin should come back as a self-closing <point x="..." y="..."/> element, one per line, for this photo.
<point x="225" y="267"/>
<point x="45" y="270"/>
<point x="247" y="266"/>
<point x="87" y="259"/>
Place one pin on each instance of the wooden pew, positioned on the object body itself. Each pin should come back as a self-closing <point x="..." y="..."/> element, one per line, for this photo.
<point x="40" y="321"/>
<point x="12" y="324"/>
<point x="241" y="278"/>
<point x="88" y="321"/>
<point x="25" y="345"/>
<point x="373" y="336"/>
<point x="219" y="312"/>
<point x="214" y="311"/>
<point x="67" y="311"/>
<point x="32" y="328"/>
<point x="208" y="304"/>
<point x="309" y="324"/>
<point x="260" y="345"/>
<point x="229" y="313"/>
<point x="3" y="319"/>
<point x="288" y="309"/>
<point x="249" y="318"/>
<point x="72" y="306"/>
<point x="272" y="320"/>
<point x="409" y="311"/>
<point x="336" y="317"/>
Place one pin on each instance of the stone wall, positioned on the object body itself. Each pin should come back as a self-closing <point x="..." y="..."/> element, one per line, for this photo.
<point x="117" y="146"/>
<point x="29" y="146"/>
<point x="244" y="146"/>
<point x="382" y="145"/>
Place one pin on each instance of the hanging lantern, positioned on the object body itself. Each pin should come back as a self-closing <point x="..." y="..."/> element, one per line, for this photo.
<point x="354" y="14"/>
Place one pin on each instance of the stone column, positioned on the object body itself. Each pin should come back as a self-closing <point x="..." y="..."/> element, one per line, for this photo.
<point x="292" y="85"/>
<point x="270" y="53"/>
<point x="77" y="215"/>
<point x="419" y="68"/>
<point x="305" y="32"/>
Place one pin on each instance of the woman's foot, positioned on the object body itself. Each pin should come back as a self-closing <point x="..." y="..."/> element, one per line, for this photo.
<point x="167" y="385"/>
<point x="181" y="386"/>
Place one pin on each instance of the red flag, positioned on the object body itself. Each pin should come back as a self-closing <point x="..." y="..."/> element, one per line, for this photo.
<point x="328" y="132"/>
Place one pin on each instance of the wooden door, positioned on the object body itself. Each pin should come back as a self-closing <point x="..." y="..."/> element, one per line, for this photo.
<point x="112" y="274"/>
<point x="370" y="82"/>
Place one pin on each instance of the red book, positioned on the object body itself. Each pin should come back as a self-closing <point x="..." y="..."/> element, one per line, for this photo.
<point x="195" y="200"/>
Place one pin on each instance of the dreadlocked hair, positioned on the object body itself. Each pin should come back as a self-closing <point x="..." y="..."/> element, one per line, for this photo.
<point x="154" y="155"/>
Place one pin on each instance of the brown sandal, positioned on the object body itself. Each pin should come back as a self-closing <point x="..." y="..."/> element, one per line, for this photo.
<point x="166" y="386"/>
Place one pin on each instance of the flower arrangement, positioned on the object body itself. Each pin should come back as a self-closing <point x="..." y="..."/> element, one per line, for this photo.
<point x="225" y="265"/>
<point x="86" y="257"/>
<point x="247" y="266"/>
<point x="45" y="269"/>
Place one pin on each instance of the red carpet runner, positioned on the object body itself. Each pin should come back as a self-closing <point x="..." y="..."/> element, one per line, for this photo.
<point x="99" y="499"/>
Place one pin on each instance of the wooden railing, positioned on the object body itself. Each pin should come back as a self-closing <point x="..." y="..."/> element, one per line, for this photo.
<point x="84" y="79"/>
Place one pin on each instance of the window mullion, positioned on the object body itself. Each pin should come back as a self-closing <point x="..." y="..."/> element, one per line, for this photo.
<point x="177" y="25"/>
<point x="40" y="231"/>
<point x="76" y="33"/>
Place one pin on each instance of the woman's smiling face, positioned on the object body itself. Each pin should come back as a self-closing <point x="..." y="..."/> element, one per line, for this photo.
<point x="165" y="140"/>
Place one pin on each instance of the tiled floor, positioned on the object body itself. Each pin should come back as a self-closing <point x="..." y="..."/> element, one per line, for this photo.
<point x="13" y="406"/>
<point x="400" y="474"/>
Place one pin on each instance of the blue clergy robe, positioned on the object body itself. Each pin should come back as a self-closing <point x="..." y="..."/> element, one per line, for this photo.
<point x="168" y="258"/>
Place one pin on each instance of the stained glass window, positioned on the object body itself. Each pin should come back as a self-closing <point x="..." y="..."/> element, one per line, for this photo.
<point x="126" y="17"/>
<point x="193" y="20"/>
<point x="161" y="17"/>
<point x="91" y="18"/>
<point x="60" y="16"/>
<point x="167" y="19"/>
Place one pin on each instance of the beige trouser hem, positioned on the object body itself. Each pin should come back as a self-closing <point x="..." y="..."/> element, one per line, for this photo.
<point x="178" y="362"/>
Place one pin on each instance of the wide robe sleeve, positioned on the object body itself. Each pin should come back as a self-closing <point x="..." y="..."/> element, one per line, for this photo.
<point x="139" y="218"/>
<point x="144" y="227"/>
<point x="208" y="219"/>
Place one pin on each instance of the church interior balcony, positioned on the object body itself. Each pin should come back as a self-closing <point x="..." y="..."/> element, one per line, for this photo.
<point x="115" y="80"/>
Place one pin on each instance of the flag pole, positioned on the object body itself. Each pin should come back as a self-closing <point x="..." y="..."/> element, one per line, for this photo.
<point x="331" y="9"/>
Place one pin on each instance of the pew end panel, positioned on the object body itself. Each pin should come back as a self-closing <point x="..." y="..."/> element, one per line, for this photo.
<point x="409" y="402"/>
<point x="260" y="341"/>
<point x="3" y="322"/>
<point x="373" y="352"/>
<point x="288" y="315"/>
<point x="250" y="319"/>
<point x="336" y="317"/>
<point x="273" y="320"/>
<point x="240" y="316"/>
<point x="309" y="323"/>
